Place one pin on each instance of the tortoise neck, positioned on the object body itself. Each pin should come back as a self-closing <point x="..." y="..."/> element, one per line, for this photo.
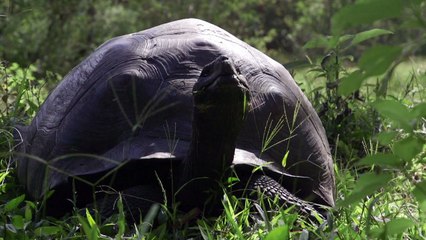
<point x="210" y="155"/>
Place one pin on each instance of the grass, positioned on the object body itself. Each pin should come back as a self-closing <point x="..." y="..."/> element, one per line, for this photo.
<point x="394" y="210"/>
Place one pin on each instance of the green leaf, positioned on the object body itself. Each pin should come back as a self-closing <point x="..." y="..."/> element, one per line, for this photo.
<point x="398" y="225"/>
<point x="344" y="39"/>
<point x="90" y="219"/>
<point x="381" y="159"/>
<point x="18" y="221"/>
<point x="121" y="219"/>
<point x="3" y="175"/>
<point x="420" y="193"/>
<point x="13" y="204"/>
<point x="351" y="83"/>
<point x="47" y="230"/>
<point x="90" y="231"/>
<point x="363" y="36"/>
<point x="149" y="218"/>
<point x="366" y="185"/>
<point x="298" y="64"/>
<point x="408" y="148"/>
<point x="386" y="138"/>
<point x="327" y="42"/>
<point x="230" y="216"/>
<point x="396" y="112"/>
<point x="394" y="226"/>
<point x="376" y="60"/>
<point x="419" y="110"/>
<point x="85" y="225"/>
<point x="321" y="42"/>
<point x="284" y="160"/>
<point x="365" y="12"/>
<point x="279" y="233"/>
<point x="28" y="212"/>
<point x="231" y="180"/>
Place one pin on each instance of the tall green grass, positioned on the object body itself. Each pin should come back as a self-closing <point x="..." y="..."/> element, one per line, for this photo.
<point x="374" y="111"/>
<point x="375" y="200"/>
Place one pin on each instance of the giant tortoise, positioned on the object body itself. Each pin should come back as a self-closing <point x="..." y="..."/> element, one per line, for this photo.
<point x="175" y="108"/>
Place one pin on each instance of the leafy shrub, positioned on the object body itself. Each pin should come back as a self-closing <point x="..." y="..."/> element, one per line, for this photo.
<point x="384" y="193"/>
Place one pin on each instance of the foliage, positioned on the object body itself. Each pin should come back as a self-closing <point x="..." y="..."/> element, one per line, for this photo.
<point x="364" y="84"/>
<point x="57" y="35"/>
<point x="21" y="96"/>
<point x="390" y="134"/>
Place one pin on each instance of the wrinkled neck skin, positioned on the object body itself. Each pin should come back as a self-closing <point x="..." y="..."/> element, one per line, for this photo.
<point x="212" y="149"/>
<point x="211" y="152"/>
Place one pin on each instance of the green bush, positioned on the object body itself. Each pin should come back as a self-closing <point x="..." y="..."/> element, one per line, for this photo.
<point x="379" y="134"/>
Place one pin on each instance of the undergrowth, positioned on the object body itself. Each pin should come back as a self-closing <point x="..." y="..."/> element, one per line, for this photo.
<point x="374" y="111"/>
<point x="380" y="196"/>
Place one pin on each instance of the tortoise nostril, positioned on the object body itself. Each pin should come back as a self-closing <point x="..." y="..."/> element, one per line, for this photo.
<point x="224" y="58"/>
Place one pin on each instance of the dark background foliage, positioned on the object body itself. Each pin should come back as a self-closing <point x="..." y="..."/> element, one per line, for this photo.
<point x="57" y="34"/>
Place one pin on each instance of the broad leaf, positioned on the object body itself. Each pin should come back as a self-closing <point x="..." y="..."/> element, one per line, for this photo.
<point x="420" y="193"/>
<point x="14" y="203"/>
<point x="395" y="226"/>
<point x="345" y="38"/>
<point x="365" y="12"/>
<point x="322" y="42"/>
<point x="297" y="64"/>
<point x="47" y="230"/>
<point x="408" y="148"/>
<point x="28" y="213"/>
<point x="386" y="138"/>
<point x="327" y="42"/>
<point x="398" y="225"/>
<point x="419" y="110"/>
<point x="396" y="112"/>
<point x="366" y="185"/>
<point x="279" y="233"/>
<point x="362" y="36"/>
<point x="18" y="221"/>
<point x="381" y="159"/>
<point x="351" y="83"/>
<point x="376" y="60"/>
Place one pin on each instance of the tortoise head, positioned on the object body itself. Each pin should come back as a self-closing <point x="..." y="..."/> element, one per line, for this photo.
<point x="221" y="87"/>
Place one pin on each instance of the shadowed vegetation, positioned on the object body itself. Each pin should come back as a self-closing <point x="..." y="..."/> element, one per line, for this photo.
<point x="361" y="64"/>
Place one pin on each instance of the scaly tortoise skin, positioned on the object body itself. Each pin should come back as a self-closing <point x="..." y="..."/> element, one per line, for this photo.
<point x="131" y="101"/>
